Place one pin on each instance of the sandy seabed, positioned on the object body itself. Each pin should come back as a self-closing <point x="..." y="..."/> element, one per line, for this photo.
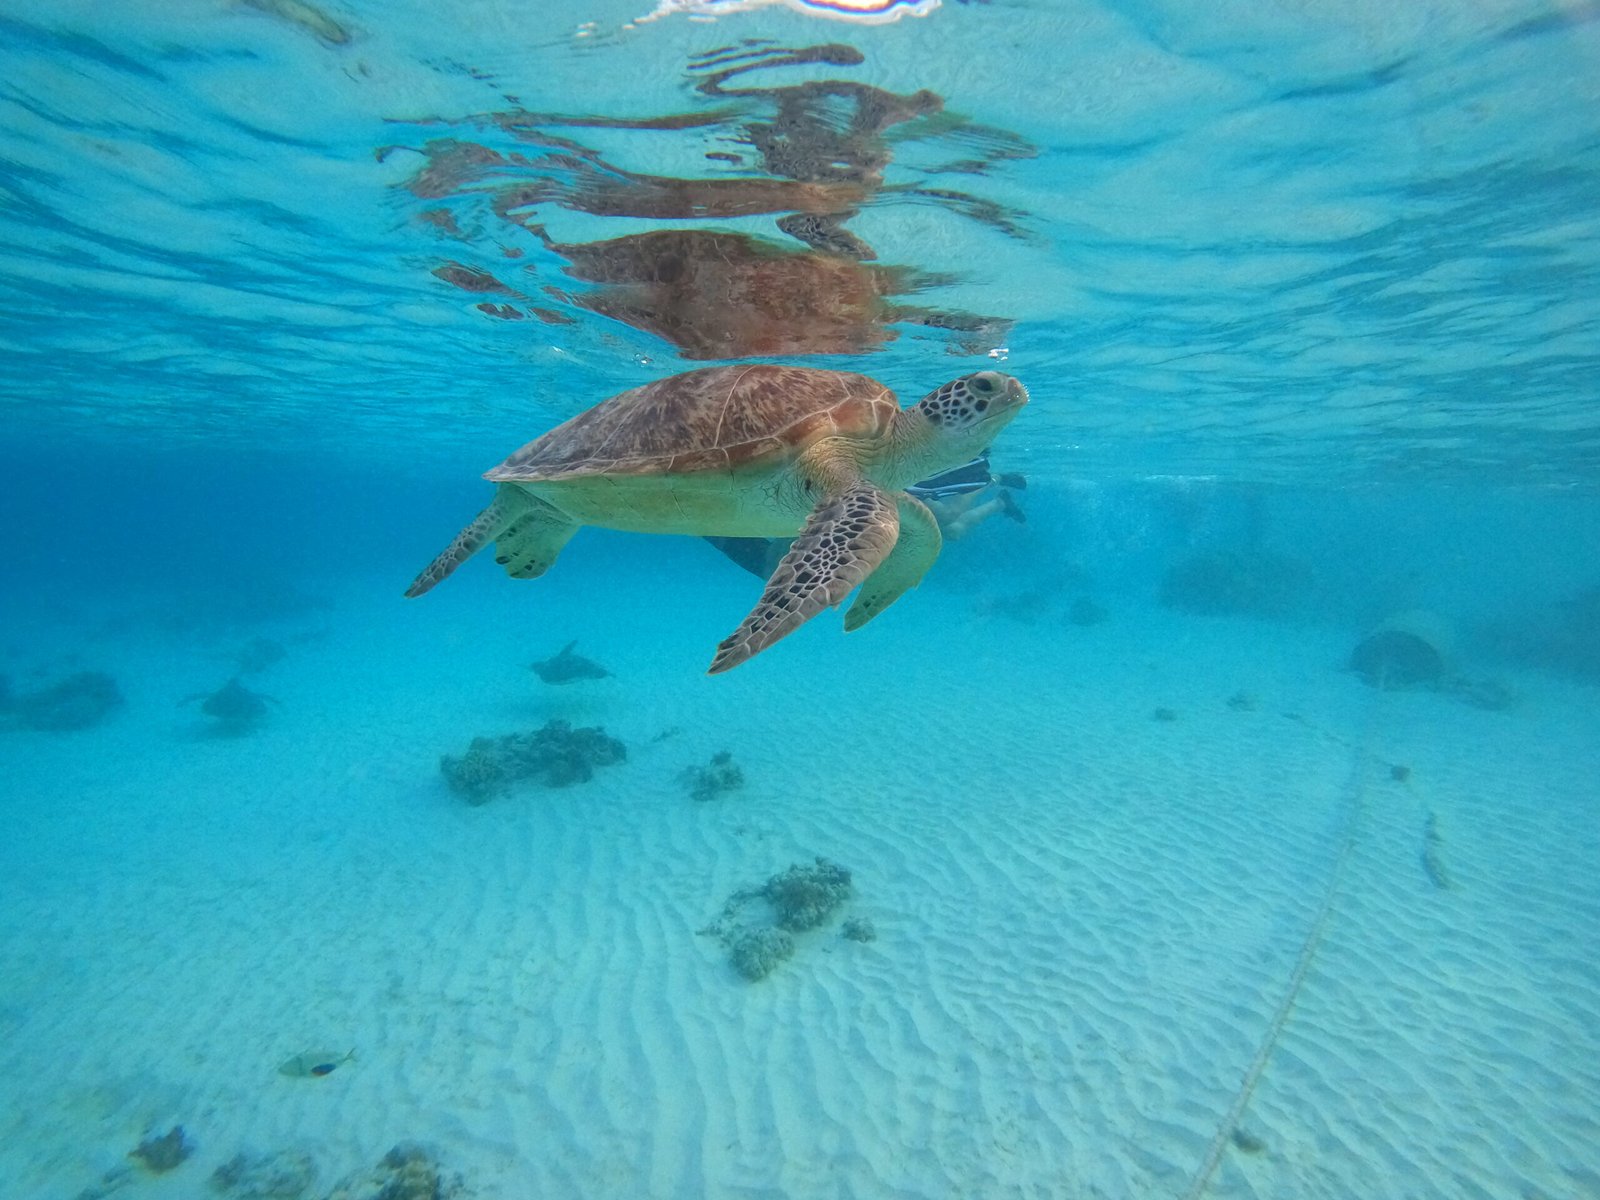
<point x="1087" y="917"/>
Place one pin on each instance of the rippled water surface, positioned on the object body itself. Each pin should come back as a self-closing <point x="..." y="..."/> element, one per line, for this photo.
<point x="1354" y="239"/>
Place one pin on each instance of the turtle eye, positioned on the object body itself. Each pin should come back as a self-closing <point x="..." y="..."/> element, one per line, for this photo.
<point x="982" y="383"/>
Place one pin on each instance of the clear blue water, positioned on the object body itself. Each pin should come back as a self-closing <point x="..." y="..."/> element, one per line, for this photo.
<point x="1305" y="299"/>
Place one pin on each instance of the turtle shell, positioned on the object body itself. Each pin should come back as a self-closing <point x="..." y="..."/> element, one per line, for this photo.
<point x="718" y="418"/>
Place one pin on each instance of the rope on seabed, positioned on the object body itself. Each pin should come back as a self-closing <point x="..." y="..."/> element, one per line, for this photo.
<point x="1354" y="793"/>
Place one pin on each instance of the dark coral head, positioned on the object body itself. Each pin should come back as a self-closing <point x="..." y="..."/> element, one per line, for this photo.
<point x="985" y="399"/>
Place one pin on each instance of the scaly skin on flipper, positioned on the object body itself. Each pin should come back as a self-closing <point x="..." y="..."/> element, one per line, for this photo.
<point x="508" y="504"/>
<point x="914" y="552"/>
<point x="843" y="542"/>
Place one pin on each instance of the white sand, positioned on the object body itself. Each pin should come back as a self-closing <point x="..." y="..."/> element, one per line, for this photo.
<point x="1086" y="917"/>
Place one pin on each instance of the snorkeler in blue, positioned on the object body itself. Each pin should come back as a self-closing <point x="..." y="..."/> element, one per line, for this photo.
<point x="971" y="476"/>
<point x="961" y="499"/>
<point x="955" y="495"/>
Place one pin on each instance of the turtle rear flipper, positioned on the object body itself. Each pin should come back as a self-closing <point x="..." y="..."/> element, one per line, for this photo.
<point x="914" y="552"/>
<point x="528" y="534"/>
<point x="505" y="508"/>
<point x="529" y="546"/>
<point x="845" y="540"/>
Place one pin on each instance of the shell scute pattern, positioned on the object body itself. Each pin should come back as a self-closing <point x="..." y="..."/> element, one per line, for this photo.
<point x="707" y="420"/>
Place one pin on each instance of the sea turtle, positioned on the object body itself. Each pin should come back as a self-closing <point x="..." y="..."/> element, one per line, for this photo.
<point x="755" y="451"/>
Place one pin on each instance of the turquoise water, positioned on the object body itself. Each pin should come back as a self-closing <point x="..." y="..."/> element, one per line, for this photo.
<point x="1223" y="804"/>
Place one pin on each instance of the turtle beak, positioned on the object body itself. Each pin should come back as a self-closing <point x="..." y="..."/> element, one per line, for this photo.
<point x="1015" y="392"/>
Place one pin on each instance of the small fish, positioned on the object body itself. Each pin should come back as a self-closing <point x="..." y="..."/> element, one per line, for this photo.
<point x="314" y="1064"/>
<point x="567" y="667"/>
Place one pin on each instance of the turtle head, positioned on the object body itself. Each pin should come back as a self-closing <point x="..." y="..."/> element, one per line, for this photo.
<point x="965" y="414"/>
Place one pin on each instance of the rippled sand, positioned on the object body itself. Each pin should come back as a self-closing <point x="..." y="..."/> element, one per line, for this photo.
<point x="1087" y="917"/>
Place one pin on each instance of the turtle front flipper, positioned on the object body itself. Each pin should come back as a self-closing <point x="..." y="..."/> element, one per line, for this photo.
<point x="845" y="540"/>
<point x="508" y="505"/>
<point x="914" y="552"/>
